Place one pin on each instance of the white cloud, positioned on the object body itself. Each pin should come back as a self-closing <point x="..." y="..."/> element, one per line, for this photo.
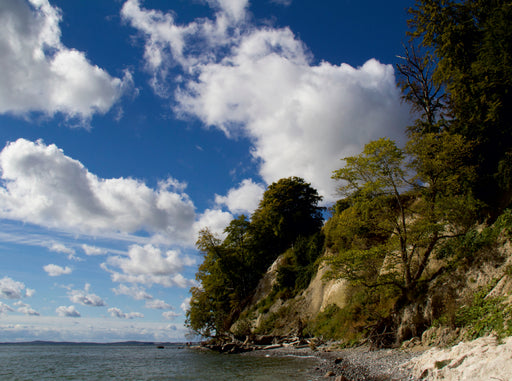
<point x="4" y="308"/>
<point x="56" y="270"/>
<point x="116" y="312"/>
<point x="185" y="305"/>
<point x="167" y="42"/>
<point x="215" y="220"/>
<point x="93" y="250"/>
<point x="157" y="304"/>
<point x="149" y="265"/>
<point x="69" y="311"/>
<point x="60" y="248"/>
<point x="40" y="74"/>
<point x="170" y="315"/>
<point x="243" y="199"/>
<point x="43" y="186"/>
<point x="26" y="309"/>
<point x="301" y="117"/>
<point x="85" y="297"/>
<point x="234" y="9"/>
<point x="11" y="289"/>
<point x="136" y="292"/>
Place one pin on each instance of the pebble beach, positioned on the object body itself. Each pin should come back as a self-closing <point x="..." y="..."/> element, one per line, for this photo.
<point x="353" y="364"/>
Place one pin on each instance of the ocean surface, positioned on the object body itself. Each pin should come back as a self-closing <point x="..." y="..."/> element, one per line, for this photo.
<point x="143" y="362"/>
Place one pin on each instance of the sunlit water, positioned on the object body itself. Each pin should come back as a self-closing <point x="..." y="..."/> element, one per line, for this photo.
<point x="132" y="362"/>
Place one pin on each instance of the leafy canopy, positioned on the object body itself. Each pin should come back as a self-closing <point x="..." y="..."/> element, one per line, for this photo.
<point x="232" y="267"/>
<point x="472" y="44"/>
<point x="401" y="204"/>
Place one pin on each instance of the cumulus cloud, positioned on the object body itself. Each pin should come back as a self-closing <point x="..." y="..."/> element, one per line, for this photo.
<point x="60" y="248"/>
<point x="150" y="265"/>
<point x="11" y="289"/>
<point x="234" y="9"/>
<point x="185" y="305"/>
<point x="243" y="199"/>
<point x="116" y="312"/>
<point x="40" y="74"/>
<point x="4" y="308"/>
<point x="216" y="220"/>
<point x="157" y="304"/>
<point x="43" y="186"/>
<point x="136" y="292"/>
<point x="302" y="117"/>
<point x="93" y="250"/>
<point x="69" y="311"/>
<point x="26" y="309"/>
<point x="167" y="43"/>
<point x="85" y="297"/>
<point x="170" y="315"/>
<point x="56" y="270"/>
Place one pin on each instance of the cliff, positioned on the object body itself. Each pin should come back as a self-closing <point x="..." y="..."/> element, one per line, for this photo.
<point x="279" y="317"/>
<point x="470" y="298"/>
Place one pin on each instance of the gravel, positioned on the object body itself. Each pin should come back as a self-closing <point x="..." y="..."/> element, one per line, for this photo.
<point x="352" y="364"/>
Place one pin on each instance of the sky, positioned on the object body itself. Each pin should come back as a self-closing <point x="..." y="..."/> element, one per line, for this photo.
<point x="126" y="126"/>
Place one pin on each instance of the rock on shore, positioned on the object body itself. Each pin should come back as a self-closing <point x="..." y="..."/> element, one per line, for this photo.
<point x="482" y="359"/>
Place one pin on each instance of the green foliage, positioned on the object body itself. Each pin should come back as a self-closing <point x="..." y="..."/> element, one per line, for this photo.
<point x="402" y="204"/>
<point x="472" y="43"/>
<point x="485" y="315"/>
<point x="365" y="309"/>
<point x="328" y="323"/>
<point x="299" y="265"/>
<point x="279" y="319"/>
<point x="269" y="324"/>
<point x="477" y="244"/>
<point x="289" y="209"/>
<point x="212" y="302"/>
<point x="288" y="214"/>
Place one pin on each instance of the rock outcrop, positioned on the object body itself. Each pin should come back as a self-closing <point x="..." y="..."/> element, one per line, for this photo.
<point x="481" y="359"/>
<point x="288" y="316"/>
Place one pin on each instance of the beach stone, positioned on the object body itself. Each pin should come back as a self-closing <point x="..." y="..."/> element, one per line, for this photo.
<point x="330" y="374"/>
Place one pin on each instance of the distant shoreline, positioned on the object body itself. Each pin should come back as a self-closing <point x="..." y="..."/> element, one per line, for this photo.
<point x="118" y="343"/>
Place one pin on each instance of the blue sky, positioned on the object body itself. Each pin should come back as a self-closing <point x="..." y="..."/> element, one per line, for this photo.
<point x="127" y="126"/>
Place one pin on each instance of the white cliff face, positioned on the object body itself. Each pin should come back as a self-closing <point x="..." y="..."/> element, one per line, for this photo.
<point x="268" y="280"/>
<point x="321" y="292"/>
<point x="481" y="359"/>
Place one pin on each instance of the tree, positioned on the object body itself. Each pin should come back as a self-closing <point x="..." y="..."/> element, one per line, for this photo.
<point x="289" y="209"/>
<point x="472" y="43"/>
<point x="402" y="203"/>
<point x="421" y="91"/>
<point x="210" y="304"/>
<point x="232" y="267"/>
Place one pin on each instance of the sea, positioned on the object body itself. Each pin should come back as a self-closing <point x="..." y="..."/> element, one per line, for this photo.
<point x="45" y="361"/>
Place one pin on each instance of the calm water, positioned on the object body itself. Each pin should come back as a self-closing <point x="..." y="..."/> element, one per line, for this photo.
<point x="131" y="362"/>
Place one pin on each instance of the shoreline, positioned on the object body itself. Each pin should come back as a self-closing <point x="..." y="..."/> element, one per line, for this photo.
<point x="354" y="364"/>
